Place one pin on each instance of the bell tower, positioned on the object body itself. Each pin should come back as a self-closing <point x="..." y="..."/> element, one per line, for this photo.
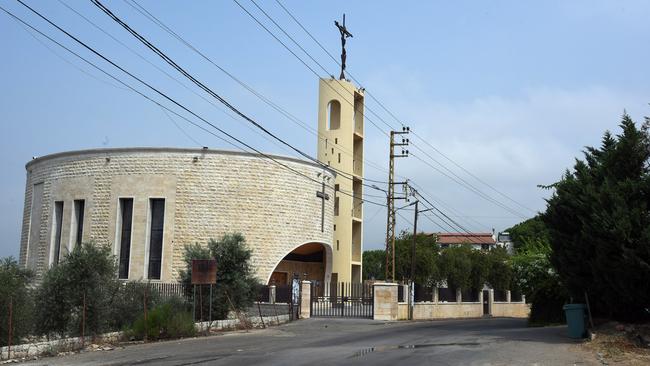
<point x="340" y="145"/>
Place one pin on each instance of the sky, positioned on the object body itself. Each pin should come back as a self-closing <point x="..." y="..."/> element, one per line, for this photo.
<point x="510" y="91"/>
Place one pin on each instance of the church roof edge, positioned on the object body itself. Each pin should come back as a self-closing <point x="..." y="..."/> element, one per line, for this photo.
<point x="123" y="150"/>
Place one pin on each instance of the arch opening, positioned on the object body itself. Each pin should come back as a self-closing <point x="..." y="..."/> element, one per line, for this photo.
<point x="309" y="261"/>
<point x="333" y="115"/>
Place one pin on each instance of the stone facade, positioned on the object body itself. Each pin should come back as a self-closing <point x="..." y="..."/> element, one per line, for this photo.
<point x="385" y="305"/>
<point x="207" y="193"/>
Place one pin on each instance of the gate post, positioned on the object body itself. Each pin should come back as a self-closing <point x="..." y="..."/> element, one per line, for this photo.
<point x="385" y="301"/>
<point x="305" y="300"/>
<point x="272" y="294"/>
<point x="491" y="301"/>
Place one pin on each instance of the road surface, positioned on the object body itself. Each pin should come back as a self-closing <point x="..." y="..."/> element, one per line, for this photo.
<point x="356" y="341"/>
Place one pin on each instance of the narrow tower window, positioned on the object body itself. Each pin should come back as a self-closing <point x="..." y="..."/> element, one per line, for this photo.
<point x="126" y="219"/>
<point x="78" y="221"/>
<point x="156" y="237"/>
<point x="333" y="115"/>
<point x="58" y="221"/>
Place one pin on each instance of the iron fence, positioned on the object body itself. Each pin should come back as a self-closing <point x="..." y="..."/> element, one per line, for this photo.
<point x="470" y="295"/>
<point x="263" y="294"/>
<point x="283" y="294"/>
<point x="446" y="294"/>
<point x="347" y="300"/>
<point x="423" y="293"/>
<point x="500" y="295"/>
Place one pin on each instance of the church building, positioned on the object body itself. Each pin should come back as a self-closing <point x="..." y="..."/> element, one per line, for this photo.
<point x="299" y="218"/>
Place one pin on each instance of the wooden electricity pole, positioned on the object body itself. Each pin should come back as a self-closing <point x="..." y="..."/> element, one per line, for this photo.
<point x="390" y="201"/>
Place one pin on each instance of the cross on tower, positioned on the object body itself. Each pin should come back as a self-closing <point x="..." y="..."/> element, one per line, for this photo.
<point x="323" y="196"/>
<point x="344" y="34"/>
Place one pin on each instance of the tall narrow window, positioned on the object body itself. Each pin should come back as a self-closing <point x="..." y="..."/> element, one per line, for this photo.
<point x="333" y="115"/>
<point x="58" y="221"/>
<point x="336" y="206"/>
<point x="35" y="226"/>
<point x="156" y="237"/>
<point x="78" y="228"/>
<point x="126" y="219"/>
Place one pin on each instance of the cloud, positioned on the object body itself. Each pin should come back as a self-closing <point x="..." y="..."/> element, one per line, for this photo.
<point x="512" y="143"/>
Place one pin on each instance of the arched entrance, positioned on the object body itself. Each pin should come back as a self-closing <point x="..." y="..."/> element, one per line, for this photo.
<point x="310" y="261"/>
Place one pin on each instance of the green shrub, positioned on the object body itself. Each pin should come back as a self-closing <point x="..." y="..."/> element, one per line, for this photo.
<point x="170" y="319"/>
<point x="547" y="301"/>
<point x="598" y="219"/>
<point x="128" y="303"/>
<point x="13" y="287"/>
<point x="85" y="275"/>
<point x="236" y="287"/>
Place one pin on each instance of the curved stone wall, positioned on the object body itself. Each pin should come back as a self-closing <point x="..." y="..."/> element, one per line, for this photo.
<point x="207" y="193"/>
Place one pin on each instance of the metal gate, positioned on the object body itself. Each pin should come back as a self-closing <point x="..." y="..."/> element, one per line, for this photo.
<point x="343" y="300"/>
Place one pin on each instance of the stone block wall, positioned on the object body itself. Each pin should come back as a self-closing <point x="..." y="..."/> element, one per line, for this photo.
<point x="207" y="193"/>
<point x="385" y="306"/>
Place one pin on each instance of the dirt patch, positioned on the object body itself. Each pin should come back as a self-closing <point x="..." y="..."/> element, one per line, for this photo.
<point x="621" y="344"/>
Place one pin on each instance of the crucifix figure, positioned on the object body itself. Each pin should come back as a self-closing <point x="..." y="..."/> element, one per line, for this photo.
<point x="323" y="196"/>
<point x="344" y="34"/>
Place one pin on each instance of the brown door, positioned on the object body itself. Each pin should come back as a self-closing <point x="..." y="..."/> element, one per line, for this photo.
<point x="278" y="278"/>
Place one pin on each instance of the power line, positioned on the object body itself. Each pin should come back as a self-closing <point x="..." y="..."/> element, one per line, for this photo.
<point x="151" y="17"/>
<point x="222" y="110"/>
<point x="157" y="21"/>
<point x="460" y="181"/>
<point x="201" y="85"/>
<point x="468" y="185"/>
<point x="261" y="154"/>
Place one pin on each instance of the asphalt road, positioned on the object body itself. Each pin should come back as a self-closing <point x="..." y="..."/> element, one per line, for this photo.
<point x="351" y="341"/>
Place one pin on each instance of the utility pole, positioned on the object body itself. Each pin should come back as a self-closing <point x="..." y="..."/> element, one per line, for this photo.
<point x="415" y="233"/>
<point x="390" y="201"/>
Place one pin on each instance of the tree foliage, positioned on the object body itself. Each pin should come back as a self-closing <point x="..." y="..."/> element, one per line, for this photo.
<point x="499" y="274"/>
<point x="529" y="233"/>
<point x="599" y="224"/>
<point x="374" y="262"/>
<point x="86" y="275"/>
<point x="236" y="285"/>
<point x="426" y="258"/>
<point x="456" y="266"/>
<point x="14" y="282"/>
<point x="427" y="271"/>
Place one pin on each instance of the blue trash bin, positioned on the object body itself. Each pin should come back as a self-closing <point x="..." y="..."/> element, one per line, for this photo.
<point x="575" y="319"/>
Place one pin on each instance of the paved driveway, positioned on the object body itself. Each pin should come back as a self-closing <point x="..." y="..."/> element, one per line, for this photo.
<point x="348" y="341"/>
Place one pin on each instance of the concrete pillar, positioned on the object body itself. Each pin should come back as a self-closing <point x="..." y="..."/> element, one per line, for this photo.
<point x="480" y="297"/>
<point x="272" y="294"/>
<point x="385" y="301"/>
<point x="491" y="301"/>
<point x="508" y="296"/>
<point x="459" y="296"/>
<point x="523" y="298"/>
<point x="435" y="295"/>
<point x="305" y="300"/>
